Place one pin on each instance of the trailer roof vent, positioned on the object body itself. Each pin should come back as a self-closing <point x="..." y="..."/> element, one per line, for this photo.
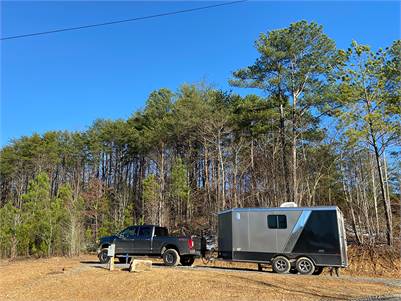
<point x="289" y="204"/>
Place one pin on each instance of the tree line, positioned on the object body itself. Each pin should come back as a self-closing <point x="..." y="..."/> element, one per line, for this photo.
<point x="325" y="130"/>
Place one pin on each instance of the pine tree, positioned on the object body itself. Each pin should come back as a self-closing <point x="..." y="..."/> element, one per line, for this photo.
<point x="180" y="190"/>
<point x="293" y="67"/>
<point x="365" y="113"/>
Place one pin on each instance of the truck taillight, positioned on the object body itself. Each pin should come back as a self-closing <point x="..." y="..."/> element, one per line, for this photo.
<point x="190" y="243"/>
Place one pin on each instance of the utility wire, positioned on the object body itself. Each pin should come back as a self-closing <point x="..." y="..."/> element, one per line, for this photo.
<point x="121" y="21"/>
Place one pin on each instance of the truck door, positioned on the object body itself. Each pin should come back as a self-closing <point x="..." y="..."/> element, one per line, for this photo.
<point x="125" y="241"/>
<point x="159" y="238"/>
<point x="143" y="242"/>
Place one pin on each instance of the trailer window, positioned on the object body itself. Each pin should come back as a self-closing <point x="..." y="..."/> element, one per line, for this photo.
<point x="277" y="221"/>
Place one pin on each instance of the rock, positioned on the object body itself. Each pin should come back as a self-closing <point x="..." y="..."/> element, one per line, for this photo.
<point x="140" y="265"/>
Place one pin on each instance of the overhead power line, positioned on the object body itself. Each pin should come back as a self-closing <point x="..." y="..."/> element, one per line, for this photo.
<point x="121" y="21"/>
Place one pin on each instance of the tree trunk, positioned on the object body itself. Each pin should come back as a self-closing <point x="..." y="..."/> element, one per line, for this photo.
<point x="387" y="186"/>
<point x="223" y="179"/>
<point x="235" y="175"/>
<point x="386" y="203"/>
<point x="294" y="172"/>
<point x="161" y="178"/>
<point x="354" y="226"/>
<point x="294" y="154"/>
<point x="283" y="154"/>
<point x="372" y="172"/>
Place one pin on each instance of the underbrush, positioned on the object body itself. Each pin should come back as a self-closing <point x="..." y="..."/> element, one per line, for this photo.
<point x="377" y="261"/>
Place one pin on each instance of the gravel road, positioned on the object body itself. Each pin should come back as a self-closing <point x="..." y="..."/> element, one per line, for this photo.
<point x="386" y="281"/>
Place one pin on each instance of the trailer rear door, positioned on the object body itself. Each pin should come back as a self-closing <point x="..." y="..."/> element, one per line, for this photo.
<point x="343" y="240"/>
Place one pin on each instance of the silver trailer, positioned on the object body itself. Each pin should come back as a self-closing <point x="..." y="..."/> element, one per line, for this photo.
<point x="292" y="239"/>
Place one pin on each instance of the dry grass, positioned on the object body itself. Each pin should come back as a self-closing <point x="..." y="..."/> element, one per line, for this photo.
<point x="45" y="279"/>
<point x="377" y="262"/>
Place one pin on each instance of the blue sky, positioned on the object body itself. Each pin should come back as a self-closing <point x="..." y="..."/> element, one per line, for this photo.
<point x="67" y="80"/>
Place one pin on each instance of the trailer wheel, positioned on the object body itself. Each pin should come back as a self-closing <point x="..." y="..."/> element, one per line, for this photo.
<point x="281" y="265"/>
<point x="187" y="260"/>
<point x="305" y="266"/>
<point x="318" y="271"/>
<point x="171" y="257"/>
<point x="103" y="258"/>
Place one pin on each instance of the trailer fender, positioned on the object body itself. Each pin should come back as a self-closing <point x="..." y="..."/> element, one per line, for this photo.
<point x="309" y="257"/>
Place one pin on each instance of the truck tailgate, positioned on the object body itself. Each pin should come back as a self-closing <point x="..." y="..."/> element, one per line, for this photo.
<point x="199" y="244"/>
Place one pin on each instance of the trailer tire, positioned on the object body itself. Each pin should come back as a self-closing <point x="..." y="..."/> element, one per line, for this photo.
<point x="187" y="260"/>
<point x="305" y="266"/>
<point x="281" y="265"/>
<point x="103" y="258"/>
<point x="171" y="257"/>
<point x="318" y="271"/>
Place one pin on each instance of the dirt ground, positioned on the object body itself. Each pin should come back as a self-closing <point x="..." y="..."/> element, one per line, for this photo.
<point x="84" y="279"/>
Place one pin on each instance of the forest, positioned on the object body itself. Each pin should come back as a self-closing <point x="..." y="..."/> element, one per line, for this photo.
<point x="324" y="129"/>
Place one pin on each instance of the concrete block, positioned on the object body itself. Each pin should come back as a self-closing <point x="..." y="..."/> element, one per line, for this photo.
<point x="140" y="265"/>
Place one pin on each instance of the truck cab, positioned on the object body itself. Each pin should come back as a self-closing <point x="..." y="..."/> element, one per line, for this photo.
<point x="153" y="241"/>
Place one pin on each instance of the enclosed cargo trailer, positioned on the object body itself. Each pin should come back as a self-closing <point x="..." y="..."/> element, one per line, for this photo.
<point x="305" y="239"/>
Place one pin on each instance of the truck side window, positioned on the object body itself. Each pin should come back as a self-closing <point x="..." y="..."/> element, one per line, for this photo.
<point x="145" y="231"/>
<point x="129" y="232"/>
<point x="159" y="231"/>
<point x="134" y="231"/>
<point x="277" y="221"/>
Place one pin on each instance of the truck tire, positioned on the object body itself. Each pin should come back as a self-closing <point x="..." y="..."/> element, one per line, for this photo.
<point x="171" y="257"/>
<point x="103" y="258"/>
<point x="305" y="266"/>
<point x="281" y="265"/>
<point x="187" y="260"/>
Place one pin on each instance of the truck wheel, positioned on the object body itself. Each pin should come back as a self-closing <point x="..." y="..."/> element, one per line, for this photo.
<point x="318" y="271"/>
<point x="171" y="257"/>
<point x="187" y="260"/>
<point x="103" y="258"/>
<point x="281" y="265"/>
<point x="305" y="266"/>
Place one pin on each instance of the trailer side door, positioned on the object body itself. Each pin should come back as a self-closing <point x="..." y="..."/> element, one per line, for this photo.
<point x="262" y="239"/>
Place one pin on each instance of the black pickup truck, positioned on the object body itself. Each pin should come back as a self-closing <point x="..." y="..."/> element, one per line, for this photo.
<point x="151" y="240"/>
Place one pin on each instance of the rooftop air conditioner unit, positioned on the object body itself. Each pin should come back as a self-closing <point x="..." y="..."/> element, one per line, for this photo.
<point x="289" y="204"/>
